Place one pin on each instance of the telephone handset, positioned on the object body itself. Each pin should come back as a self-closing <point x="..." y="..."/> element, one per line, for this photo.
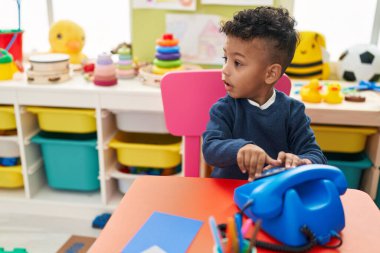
<point x="305" y="195"/>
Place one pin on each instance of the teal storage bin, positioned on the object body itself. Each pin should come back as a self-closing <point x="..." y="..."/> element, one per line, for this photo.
<point x="69" y="164"/>
<point x="377" y="199"/>
<point x="352" y="166"/>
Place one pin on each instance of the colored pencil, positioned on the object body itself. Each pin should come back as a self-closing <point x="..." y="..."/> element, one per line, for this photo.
<point x="238" y="221"/>
<point x="252" y="242"/>
<point x="231" y="227"/>
<point x="245" y="227"/>
<point x="215" y="233"/>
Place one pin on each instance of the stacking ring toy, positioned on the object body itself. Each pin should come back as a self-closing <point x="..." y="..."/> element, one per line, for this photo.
<point x="104" y="59"/>
<point x="167" y="64"/>
<point x="164" y="57"/>
<point x="105" y="70"/>
<point x="125" y="67"/>
<point x="105" y="83"/>
<point x="160" y="71"/>
<point x="167" y="43"/>
<point x="105" y="78"/>
<point x="125" y="62"/>
<point x="167" y="50"/>
<point x="125" y="57"/>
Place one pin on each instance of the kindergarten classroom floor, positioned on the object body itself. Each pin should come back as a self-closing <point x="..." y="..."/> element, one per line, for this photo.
<point x="41" y="233"/>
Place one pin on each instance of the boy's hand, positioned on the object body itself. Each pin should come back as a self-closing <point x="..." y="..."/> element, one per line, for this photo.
<point x="290" y="160"/>
<point x="251" y="158"/>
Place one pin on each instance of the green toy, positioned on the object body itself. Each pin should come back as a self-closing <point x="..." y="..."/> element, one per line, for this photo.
<point x="15" y="250"/>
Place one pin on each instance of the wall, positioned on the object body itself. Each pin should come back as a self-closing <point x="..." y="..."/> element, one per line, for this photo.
<point x="149" y="24"/>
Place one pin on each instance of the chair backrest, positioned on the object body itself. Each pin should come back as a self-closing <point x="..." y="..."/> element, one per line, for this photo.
<point x="187" y="97"/>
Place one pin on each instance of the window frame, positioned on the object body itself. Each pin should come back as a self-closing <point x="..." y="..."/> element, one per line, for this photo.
<point x="374" y="34"/>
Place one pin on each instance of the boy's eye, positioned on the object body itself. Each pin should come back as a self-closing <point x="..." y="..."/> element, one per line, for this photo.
<point x="224" y="59"/>
<point x="237" y="64"/>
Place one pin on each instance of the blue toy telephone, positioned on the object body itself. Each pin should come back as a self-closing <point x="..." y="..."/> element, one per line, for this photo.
<point x="291" y="200"/>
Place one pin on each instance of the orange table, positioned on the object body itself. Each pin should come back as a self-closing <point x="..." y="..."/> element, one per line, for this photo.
<point x="199" y="198"/>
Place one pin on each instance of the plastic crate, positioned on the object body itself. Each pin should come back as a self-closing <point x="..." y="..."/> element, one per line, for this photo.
<point x="9" y="147"/>
<point x="11" y="177"/>
<point x="7" y="118"/>
<point x="147" y="150"/>
<point x="342" y="139"/>
<point x="126" y="176"/>
<point x="65" y="120"/>
<point x="70" y="164"/>
<point x="352" y="166"/>
<point x="143" y="122"/>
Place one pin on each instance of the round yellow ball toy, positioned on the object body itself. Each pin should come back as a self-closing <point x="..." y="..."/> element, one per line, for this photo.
<point x="67" y="37"/>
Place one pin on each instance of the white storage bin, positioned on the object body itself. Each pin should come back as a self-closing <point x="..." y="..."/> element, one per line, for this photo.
<point x="124" y="180"/>
<point x="124" y="184"/>
<point x="9" y="147"/>
<point x="142" y="122"/>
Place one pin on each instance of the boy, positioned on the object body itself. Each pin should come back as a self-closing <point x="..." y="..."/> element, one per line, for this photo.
<point x="254" y="123"/>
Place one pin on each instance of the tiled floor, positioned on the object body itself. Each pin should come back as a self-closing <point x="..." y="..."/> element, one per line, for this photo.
<point x="41" y="234"/>
<point x="44" y="229"/>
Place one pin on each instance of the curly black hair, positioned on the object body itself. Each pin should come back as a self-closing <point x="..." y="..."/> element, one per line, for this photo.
<point x="268" y="23"/>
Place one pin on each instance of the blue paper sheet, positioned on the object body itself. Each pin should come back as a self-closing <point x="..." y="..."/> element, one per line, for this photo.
<point x="164" y="233"/>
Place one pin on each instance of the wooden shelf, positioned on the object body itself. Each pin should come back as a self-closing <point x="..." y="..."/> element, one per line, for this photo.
<point x="127" y="95"/>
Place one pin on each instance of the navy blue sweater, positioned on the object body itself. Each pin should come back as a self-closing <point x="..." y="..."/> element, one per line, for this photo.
<point x="283" y="126"/>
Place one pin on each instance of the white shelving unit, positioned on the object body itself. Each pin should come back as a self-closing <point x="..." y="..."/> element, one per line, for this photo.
<point x="129" y="95"/>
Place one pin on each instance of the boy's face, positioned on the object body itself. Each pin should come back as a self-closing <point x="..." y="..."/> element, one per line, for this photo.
<point x="245" y="68"/>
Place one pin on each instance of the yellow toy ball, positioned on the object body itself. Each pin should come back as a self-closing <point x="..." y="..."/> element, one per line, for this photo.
<point x="67" y="37"/>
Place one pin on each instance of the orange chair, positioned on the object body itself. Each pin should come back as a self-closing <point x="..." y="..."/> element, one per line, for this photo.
<point x="187" y="97"/>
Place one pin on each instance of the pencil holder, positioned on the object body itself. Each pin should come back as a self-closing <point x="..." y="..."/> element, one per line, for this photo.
<point x="245" y="247"/>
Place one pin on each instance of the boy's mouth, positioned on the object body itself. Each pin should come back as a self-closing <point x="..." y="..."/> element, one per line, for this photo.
<point x="227" y="84"/>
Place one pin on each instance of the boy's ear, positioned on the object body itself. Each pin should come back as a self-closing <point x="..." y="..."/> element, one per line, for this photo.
<point x="273" y="73"/>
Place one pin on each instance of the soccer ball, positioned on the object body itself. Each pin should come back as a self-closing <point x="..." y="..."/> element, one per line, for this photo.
<point x="360" y="62"/>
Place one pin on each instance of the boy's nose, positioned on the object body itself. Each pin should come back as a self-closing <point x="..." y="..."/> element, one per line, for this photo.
<point x="225" y="71"/>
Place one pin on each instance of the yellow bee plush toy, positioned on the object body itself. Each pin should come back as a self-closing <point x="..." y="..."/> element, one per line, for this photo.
<point x="310" y="58"/>
<point x="67" y="37"/>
